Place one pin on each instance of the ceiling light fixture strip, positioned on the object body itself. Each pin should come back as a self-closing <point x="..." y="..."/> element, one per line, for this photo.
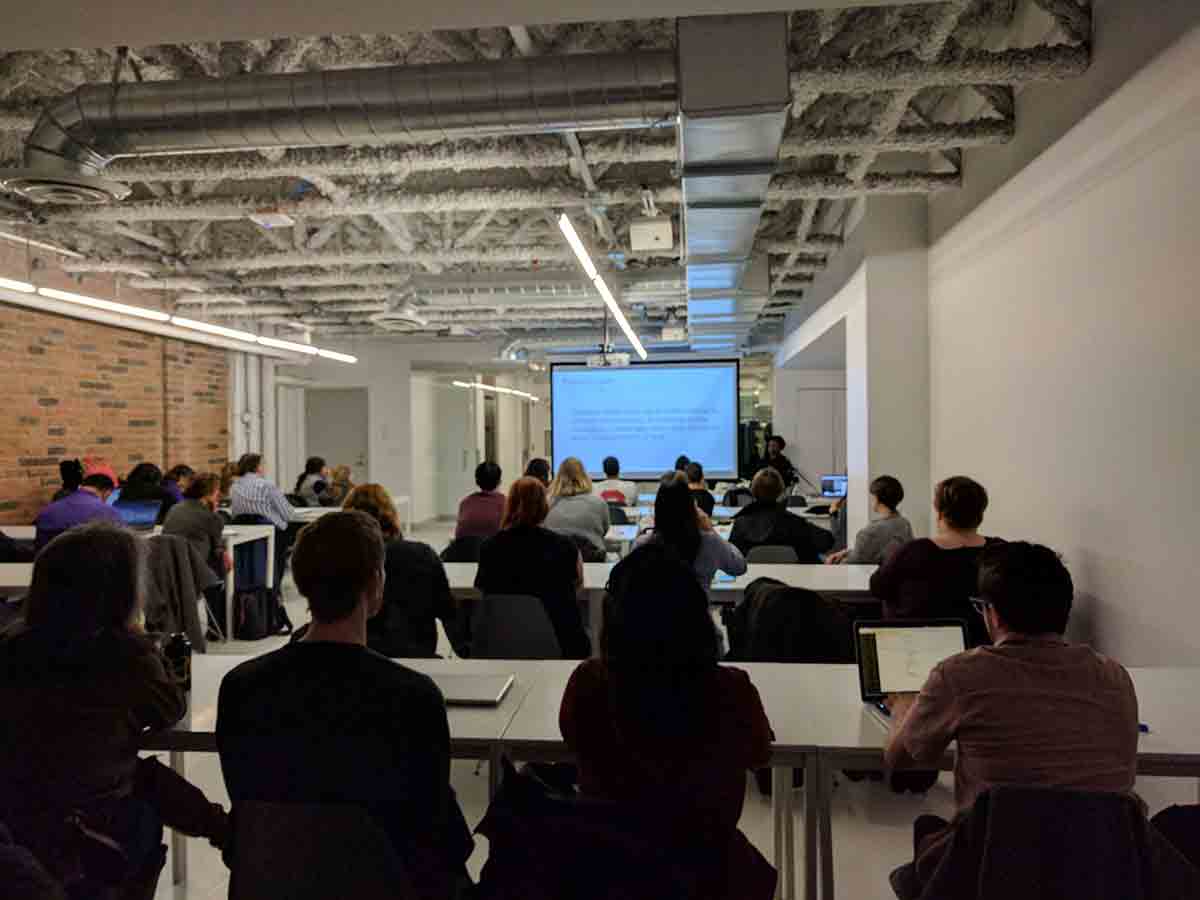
<point x="513" y="392"/>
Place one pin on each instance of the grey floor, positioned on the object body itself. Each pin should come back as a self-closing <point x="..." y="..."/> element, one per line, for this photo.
<point x="872" y="826"/>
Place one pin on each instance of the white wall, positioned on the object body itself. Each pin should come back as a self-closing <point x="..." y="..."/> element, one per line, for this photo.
<point x="1065" y="369"/>
<point x="809" y="412"/>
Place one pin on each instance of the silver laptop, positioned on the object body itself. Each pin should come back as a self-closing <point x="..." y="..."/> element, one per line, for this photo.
<point x="473" y="690"/>
<point x="897" y="657"/>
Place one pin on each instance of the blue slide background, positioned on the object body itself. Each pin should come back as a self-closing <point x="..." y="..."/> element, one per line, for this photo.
<point x="646" y="416"/>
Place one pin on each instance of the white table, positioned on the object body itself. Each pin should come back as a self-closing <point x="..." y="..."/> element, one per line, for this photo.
<point x="15" y="577"/>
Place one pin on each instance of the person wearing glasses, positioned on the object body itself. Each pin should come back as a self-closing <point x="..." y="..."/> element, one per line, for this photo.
<point x="1030" y="710"/>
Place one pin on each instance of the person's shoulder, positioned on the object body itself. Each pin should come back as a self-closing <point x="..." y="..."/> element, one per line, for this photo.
<point x="402" y="550"/>
<point x="401" y="680"/>
<point x="590" y="676"/>
<point x="258" y="668"/>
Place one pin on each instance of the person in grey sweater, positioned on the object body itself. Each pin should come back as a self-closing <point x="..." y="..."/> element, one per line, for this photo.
<point x="880" y="539"/>
<point x="574" y="510"/>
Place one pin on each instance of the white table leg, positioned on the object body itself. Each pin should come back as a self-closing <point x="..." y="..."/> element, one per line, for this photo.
<point x="778" y="802"/>
<point x="178" y="841"/>
<point x="825" y="821"/>
<point x="812" y="787"/>
<point x="271" y="537"/>
<point x="230" y="589"/>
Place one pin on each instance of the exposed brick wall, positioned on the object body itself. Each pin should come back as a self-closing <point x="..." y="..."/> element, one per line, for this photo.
<point x="73" y="388"/>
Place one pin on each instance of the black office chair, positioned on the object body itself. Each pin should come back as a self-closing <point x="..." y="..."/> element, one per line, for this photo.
<point x="772" y="554"/>
<point x="616" y="514"/>
<point x="298" y="501"/>
<point x="463" y="550"/>
<point x="737" y="497"/>
<point x="512" y="626"/>
<point x="796" y="501"/>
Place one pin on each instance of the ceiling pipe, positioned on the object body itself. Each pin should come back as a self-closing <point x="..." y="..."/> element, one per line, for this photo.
<point x="75" y="139"/>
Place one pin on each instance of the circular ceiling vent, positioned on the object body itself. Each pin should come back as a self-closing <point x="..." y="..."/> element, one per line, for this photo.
<point x="69" y="190"/>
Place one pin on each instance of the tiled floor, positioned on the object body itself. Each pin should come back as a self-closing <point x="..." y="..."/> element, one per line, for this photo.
<point x="872" y="826"/>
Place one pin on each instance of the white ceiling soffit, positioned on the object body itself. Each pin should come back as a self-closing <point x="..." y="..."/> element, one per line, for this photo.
<point x="142" y="22"/>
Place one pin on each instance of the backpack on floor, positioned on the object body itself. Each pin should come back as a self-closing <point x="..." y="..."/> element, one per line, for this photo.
<point x="252" y="614"/>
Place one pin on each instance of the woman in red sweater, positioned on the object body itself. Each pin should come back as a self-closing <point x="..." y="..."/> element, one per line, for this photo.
<point x="657" y="724"/>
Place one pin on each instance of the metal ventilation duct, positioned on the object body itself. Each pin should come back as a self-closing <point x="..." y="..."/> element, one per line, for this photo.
<point x="734" y="96"/>
<point x="76" y="138"/>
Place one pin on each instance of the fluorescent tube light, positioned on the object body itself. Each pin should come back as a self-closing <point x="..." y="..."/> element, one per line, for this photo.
<point x="214" y="329"/>
<point x="53" y="248"/>
<point x="141" y="312"/>
<point x="23" y="286"/>
<point x="340" y="357"/>
<point x="568" y="230"/>
<point x="287" y="345"/>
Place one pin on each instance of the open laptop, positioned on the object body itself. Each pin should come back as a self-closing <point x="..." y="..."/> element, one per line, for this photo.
<point x="474" y="690"/>
<point x="833" y="486"/>
<point x="897" y="657"/>
<point x="139" y="515"/>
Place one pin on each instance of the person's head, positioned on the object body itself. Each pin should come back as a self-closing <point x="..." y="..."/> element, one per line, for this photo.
<point x="526" y="504"/>
<point x="180" y="474"/>
<point x="337" y="563"/>
<point x="612" y="467"/>
<point x="681" y="463"/>
<point x="99" y="484"/>
<point x="315" y="465"/>
<point x="71" y="472"/>
<point x="675" y="523"/>
<point x="888" y="493"/>
<point x="249" y="463"/>
<point x="1026" y="589"/>
<point x="205" y="487"/>
<point x="144" y="475"/>
<point x="340" y="475"/>
<point x="658" y="642"/>
<point x="487" y="476"/>
<point x="86" y="582"/>
<point x="375" y="501"/>
<point x="695" y="473"/>
<point x="767" y="485"/>
<point x="229" y="471"/>
<point x="960" y="503"/>
<point x="775" y="445"/>
<point x="572" y="479"/>
<point x="540" y="469"/>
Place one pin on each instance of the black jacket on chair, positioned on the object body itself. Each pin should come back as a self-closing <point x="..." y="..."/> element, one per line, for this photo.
<point x="777" y="623"/>
<point x="764" y="522"/>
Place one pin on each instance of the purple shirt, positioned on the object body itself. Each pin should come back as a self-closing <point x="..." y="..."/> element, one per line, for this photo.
<point x="74" y="509"/>
<point x="479" y="514"/>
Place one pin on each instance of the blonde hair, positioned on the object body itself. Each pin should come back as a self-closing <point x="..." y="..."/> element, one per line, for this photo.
<point x="375" y="501"/>
<point x="340" y="475"/>
<point x="572" y="479"/>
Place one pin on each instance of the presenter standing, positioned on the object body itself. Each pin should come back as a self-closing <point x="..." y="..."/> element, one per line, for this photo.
<point x="780" y="463"/>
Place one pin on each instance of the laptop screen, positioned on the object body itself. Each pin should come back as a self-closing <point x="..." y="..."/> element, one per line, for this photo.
<point x="897" y="657"/>
<point x="833" y="485"/>
<point x="139" y="514"/>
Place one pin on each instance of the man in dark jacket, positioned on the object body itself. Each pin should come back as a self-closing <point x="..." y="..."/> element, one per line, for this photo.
<point x="780" y="463"/>
<point x="767" y="521"/>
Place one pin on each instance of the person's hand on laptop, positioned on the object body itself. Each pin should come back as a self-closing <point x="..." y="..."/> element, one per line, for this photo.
<point x="899" y="705"/>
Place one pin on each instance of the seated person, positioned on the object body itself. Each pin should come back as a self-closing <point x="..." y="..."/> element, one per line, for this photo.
<point x="681" y="463"/>
<point x="575" y="511"/>
<point x="71" y="472"/>
<point x="1030" y="710"/>
<point x="657" y="724"/>
<point x="526" y="558"/>
<point x="196" y="520"/>
<point x="540" y="469"/>
<point x="479" y="514"/>
<point x="416" y="590"/>
<point x="689" y="534"/>
<point x="88" y="504"/>
<point x="253" y="495"/>
<point x="612" y="489"/>
<point x="145" y="485"/>
<point x="874" y="544"/>
<point x="177" y="479"/>
<point x="767" y="522"/>
<point x="79" y="683"/>
<point x="935" y="578"/>
<point x="340" y="486"/>
<point x="312" y="481"/>
<point x="326" y="720"/>
<point x="705" y="501"/>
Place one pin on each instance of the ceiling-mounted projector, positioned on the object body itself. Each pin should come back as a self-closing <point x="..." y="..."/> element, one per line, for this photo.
<point x="603" y="361"/>
<point x="651" y="233"/>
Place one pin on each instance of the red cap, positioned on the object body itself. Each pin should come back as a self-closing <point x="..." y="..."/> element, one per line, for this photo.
<point x="99" y="467"/>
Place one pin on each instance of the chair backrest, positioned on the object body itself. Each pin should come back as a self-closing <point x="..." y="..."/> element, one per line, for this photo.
<point x="298" y="500"/>
<point x="616" y="513"/>
<point x="776" y="623"/>
<point x="738" y="497"/>
<point x="512" y="626"/>
<point x="463" y="550"/>
<point x="772" y="553"/>
<point x="795" y="500"/>
<point x="613" y="496"/>
<point x="298" y="851"/>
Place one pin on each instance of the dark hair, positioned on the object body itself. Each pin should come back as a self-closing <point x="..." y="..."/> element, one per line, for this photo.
<point x="1028" y="585"/>
<point x="86" y="581"/>
<point x="675" y="523"/>
<point x="202" y="485"/>
<point x="335" y="559"/>
<point x="695" y="472"/>
<point x="98" y="481"/>
<point x="312" y="466"/>
<point x="143" y="483"/>
<point x="961" y="501"/>
<point x="777" y="439"/>
<point x="888" y="491"/>
<point x="248" y="462"/>
<point x="659" y="645"/>
<point x="681" y="463"/>
<point x="526" y="503"/>
<point x="487" y="476"/>
<point x="612" y="467"/>
<point x="767" y="485"/>
<point x="228" y="472"/>
<point x="71" y="472"/>
<point x="540" y="469"/>
<point x="179" y="472"/>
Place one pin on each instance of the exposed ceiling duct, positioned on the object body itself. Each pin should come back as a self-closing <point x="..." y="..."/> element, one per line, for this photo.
<point x="75" y="139"/>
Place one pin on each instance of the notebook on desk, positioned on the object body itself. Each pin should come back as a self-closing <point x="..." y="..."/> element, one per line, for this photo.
<point x="897" y="657"/>
<point x="474" y="690"/>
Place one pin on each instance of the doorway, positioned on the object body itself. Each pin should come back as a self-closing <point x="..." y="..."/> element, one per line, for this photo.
<point x="336" y="428"/>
